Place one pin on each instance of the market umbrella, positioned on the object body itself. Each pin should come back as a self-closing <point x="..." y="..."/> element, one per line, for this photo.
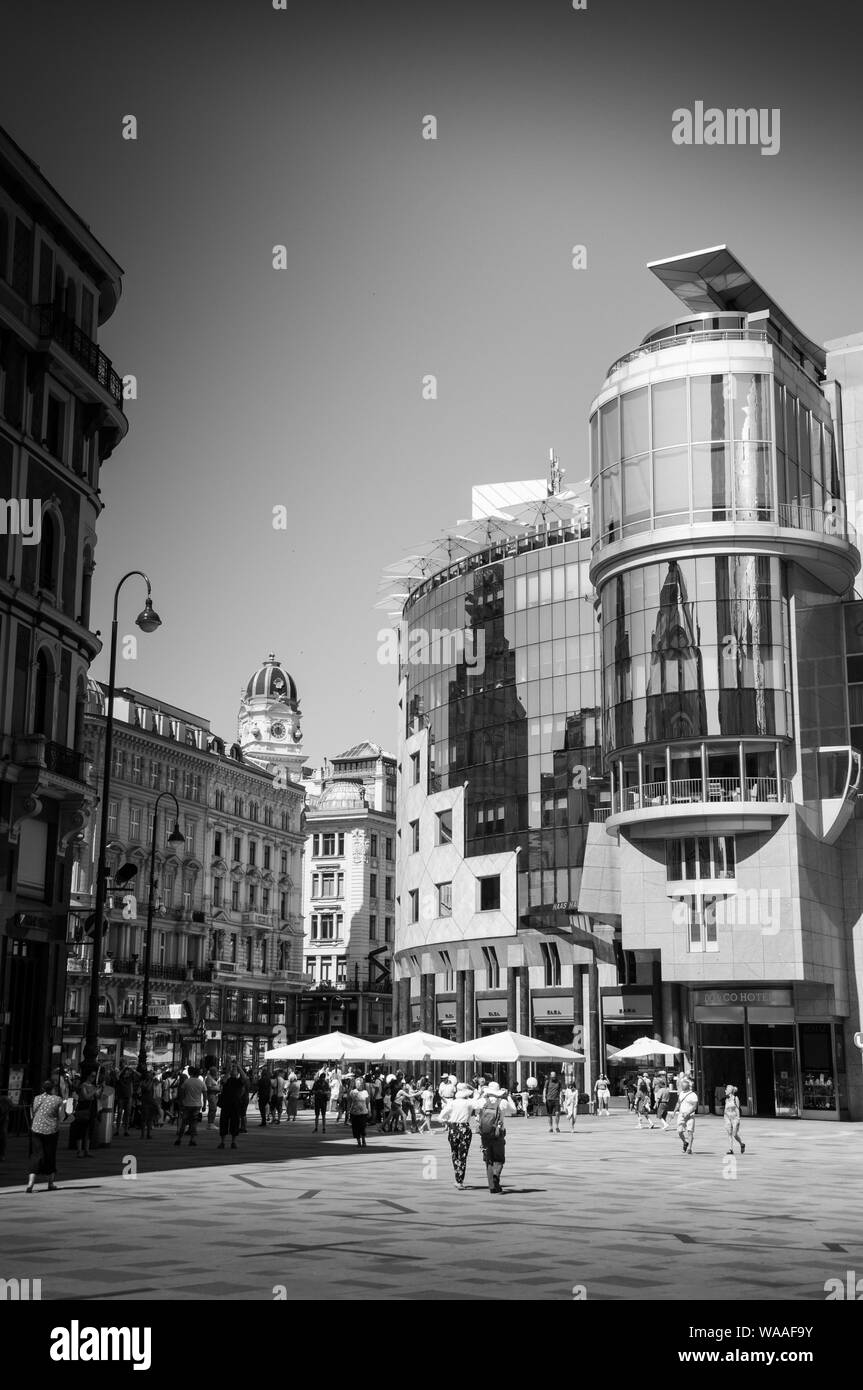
<point x="645" y="1047"/>
<point x="330" y="1047"/>
<point x="412" y="1047"/>
<point x="511" y="1047"/>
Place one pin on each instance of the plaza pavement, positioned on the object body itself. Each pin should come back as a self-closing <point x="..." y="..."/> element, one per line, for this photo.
<point x="619" y="1214"/>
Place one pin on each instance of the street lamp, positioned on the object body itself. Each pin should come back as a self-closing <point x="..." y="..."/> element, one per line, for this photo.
<point x="176" y="837"/>
<point x="147" y="621"/>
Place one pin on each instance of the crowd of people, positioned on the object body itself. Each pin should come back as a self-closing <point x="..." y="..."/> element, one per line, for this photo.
<point x="391" y="1102"/>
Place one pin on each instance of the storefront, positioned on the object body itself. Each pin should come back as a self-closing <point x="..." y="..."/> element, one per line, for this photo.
<point x="627" y="1014"/>
<point x="491" y="1014"/>
<point x="553" y="1018"/>
<point x="782" y="1066"/>
<point x="446" y="1021"/>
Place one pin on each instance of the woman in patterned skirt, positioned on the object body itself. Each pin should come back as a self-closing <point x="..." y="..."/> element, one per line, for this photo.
<point x="456" y="1115"/>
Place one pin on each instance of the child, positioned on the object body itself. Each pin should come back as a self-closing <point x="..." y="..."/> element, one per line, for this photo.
<point x="732" y="1119"/>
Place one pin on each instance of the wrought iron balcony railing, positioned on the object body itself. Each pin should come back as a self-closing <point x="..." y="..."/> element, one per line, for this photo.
<point x="53" y="323"/>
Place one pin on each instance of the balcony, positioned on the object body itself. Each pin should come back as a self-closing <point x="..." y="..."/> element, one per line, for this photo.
<point x="256" y="919"/>
<point x="52" y="323"/>
<point x="712" y="805"/>
<point x="135" y="966"/>
<point x="39" y="751"/>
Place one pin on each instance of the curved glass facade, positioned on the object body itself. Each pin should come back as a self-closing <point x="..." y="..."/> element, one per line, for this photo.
<point x="700" y="448"/>
<point x="515" y="713"/>
<point x="696" y="648"/>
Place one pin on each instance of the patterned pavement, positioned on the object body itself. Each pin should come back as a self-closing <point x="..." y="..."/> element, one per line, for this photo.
<point x="607" y="1213"/>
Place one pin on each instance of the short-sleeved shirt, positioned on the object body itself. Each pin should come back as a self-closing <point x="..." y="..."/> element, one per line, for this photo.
<point x="46" y="1114"/>
<point x="552" y="1092"/>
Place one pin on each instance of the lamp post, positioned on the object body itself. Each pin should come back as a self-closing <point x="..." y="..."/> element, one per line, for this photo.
<point x="175" y="838"/>
<point x="147" y="621"/>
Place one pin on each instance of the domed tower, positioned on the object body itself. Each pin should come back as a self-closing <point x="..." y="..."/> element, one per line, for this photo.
<point x="268" y="726"/>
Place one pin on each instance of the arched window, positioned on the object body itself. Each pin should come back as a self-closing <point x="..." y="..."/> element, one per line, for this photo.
<point x="49" y="552"/>
<point x="43" y="703"/>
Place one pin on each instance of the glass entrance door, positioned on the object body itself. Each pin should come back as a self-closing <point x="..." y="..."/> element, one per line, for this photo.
<point x="784" y="1082"/>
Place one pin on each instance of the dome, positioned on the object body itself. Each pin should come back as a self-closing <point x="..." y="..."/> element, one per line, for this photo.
<point x="272" y="682"/>
<point x="342" y="796"/>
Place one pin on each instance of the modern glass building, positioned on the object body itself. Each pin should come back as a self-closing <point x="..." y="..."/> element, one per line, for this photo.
<point x="629" y="757"/>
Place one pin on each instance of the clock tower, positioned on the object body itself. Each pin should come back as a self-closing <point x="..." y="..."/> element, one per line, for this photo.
<point x="269" y="720"/>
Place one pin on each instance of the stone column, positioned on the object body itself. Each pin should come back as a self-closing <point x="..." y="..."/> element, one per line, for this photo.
<point x="403" y="1004"/>
<point x="512" y="976"/>
<point x="592" y="1051"/>
<point x="459" y="1005"/>
<point x="671" y="1015"/>
<point x="469" y="1019"/>
<point x="578" y="1019"/>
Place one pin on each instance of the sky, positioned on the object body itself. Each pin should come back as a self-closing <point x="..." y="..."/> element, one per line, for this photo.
<point x="302" y="387"/>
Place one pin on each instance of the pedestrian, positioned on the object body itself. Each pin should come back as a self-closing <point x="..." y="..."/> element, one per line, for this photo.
<point x="456" y="1115"/>
<point x="158" y="1087"/>
<point x="343" y="1105"/>
<point x="376" y="1091"/>
<point x="643" y="1102"/>
<point x="265" y="1088"/>
<point x="211" y="1081"/>
<point x="686" y="1108"/>
<point x="335" y="1079"/>
<point x="245" y="1098"/>
<point x="49" y="1112"/>
<point x="292" y="1095"/>
<point x="190" y="1099"/>
<point x="147" y="1104"/>
<point x="405" y="1098"/>
<point x="732" y="1119"/>
<point x="602" y="1091"/>
<point x="570" y="1105"/>
<point x="123" y="1093"/>
<point x="277" y="1098"/>
<point x="426" y="1104"/>
<point x="359" y="1107"/>
<point x="630" y="1088"/>
<point x="321" y="1098"/>
<point x="86" y="1110"/>
<point x="235" y="1090"/>
<point x="491" y="1109"/>
<point x="662" y="1096"/>
<point x="447" y="1088"/>
<point x="551" y="1097"/>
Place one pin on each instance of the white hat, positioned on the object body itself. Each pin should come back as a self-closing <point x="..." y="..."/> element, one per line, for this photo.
<point x="462" y="1089"/>
<point x="492" y="1089"/>
<point x="390" y="1078"/>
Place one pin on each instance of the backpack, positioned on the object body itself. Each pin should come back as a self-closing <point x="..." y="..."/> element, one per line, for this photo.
<point x="490" y="1120"/>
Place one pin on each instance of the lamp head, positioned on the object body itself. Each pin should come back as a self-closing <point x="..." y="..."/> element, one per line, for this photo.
<point x="148" y="620"/>
<point x="176" y="836"/>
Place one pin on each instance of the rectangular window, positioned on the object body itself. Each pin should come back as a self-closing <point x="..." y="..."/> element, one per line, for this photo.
<point x="341" y="845"/>
<point x="414" y="901"/>
<point x="235" y="897"/>
<point x="551" y="962"/>
<point x="237" y="849"/>
<point x="373" y="927"/>
<point x="701" y="923"/>
<point x="700" y="857"/>
<point x="217" y="844"/>
<point x="267" y="856"/>
<point x="328" y="846"/>
<point x="327" y="926"/>
<point x="55" y="427"/>
<point x="232" y="1005"/>
<point x="316" y="845"/>
<point x="118" y="762"/>
<point x="389" y="847"/>
<point x="172" y="779"/>
<point x="415" y="836"/>
<point x="388" y="890"/>
<point x="253" y="853"/>
<point x="112" y="817"/>
<point x="388" y="929"/>
<point x="415" y="768"/>
<point x="155" y="775"/>
<point x="283" y="862"/>
<point x="328" y="885"/>
<point x="374" y="846"/>
<point x="137" y="769"/>
<point x="190" y="834"/>
<point x="134" y="822"/>
<point x="326" y="969"/>
<point x="253" y="897"/>
<point x="492" y="967"/>
<point x="489" y="893"/>
<point x="217" y="892"/>
<point x="265" y="899"/>
<point x="444" y="899"/>
<point x="373" y="885"/>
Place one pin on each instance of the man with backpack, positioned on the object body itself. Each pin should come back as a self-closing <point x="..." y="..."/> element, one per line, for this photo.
<point x="491" y="1109"/>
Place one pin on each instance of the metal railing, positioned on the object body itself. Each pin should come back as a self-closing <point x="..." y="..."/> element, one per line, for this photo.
<point x="711" y="335"/>
<point x="792" y="515"/>
<point x="694" y="790"/>
<point x="601" y="813"/>
<point x="51" y="322"/>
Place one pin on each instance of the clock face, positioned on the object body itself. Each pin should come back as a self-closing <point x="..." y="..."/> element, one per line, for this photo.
<point x="278" y="731"/>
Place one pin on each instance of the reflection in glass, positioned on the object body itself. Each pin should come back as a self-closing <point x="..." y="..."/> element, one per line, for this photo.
<point x="675" y="687"/>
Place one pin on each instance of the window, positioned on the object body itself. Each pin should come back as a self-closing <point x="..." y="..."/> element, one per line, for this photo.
<point x="414" y="900"/>
<point x="196" y="786"/>
<point x="253" y="810"/>
<point x="217" y="892"/>
<point x="232" y="948"/>
<point x="134" y="822"/>
<point x="373" y="885"/>
<point x="313" y="929"/>
<point x="268" y="816"/>
<point x="700" y="857"/>
<point x="155" y="775"/>
<point x="388" y="929"/>
<point x="415" y="836"/>
<point x="238" y="806"/>
<point x="327" y="926"/>
<point x="283" y="862"/>
<point x="263" y="958"/>
<point x="415" y="768"/>
<point x="237" y="849"/>
<point x="250" y="959"/>
<point x="341" y="970"/>
<point x="449" y="973"/>
<point x="232" y="1006"/>
<point x="172" y="779"/>
<point x="265" y="899"/>
<point x="492" y="967"/>
<point x="283" y="906"/>
<point x="316" y="845"/>
<point x="118" y="763"/>
<point x="55" y="427"/>
<point x="187" y="785"/>
<point x="373" y="846"/>
<point x="389" y="847"/>
<point x="388" y="889"/>
<point x="253" y="897"/>
<point x="489" y="893"/>
<point x="326" y="968"/>
<point x="112" y="817"/>
<point x="444" y="827"/>
<point x="551" y="961"/>
<point x="267" y="853"/>
<point x="444" y="899"/>
<point x="235" y="897"/>
<point x="253" y="853"/>
<point x="310" y="966"/>
<point x="285" y="821"/>
<point x="373" y="927"/>
<point x="190" y="835"/>
<point x="700" y="915"/>
<point x="217" y="844"/>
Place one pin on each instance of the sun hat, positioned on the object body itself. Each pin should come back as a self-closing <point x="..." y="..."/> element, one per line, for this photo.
<point x="462" y="1089"/>
<point x="492" y="1089"/>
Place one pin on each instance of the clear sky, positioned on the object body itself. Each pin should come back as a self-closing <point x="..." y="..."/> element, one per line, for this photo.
<point x="302" y="387"/>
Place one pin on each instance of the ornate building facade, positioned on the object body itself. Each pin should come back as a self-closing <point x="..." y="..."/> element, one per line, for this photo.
<point x="61" y="416"/>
